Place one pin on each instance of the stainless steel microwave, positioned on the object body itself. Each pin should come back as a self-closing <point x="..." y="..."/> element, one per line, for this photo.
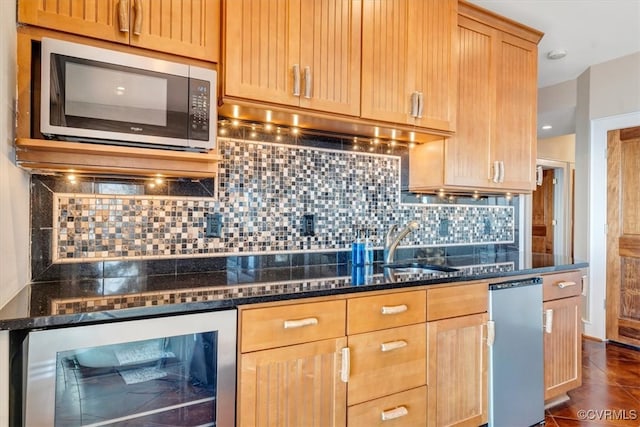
<point x="101" y="95"/>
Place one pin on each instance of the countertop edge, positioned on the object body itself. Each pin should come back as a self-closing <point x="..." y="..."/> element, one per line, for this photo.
<point x="75" y="319"/>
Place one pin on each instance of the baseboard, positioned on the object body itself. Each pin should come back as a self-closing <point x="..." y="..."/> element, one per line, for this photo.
<point x="556" y="401"/>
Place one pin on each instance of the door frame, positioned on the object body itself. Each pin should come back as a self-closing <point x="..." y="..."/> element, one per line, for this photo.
<point x="562" y="207"/>
<point x="590" y="225"/>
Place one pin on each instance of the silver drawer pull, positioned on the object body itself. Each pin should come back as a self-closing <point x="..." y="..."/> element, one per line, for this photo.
<point x="563" y="285"/>
<point x="310" y="321"/>
<point x="345" y="369"/>
<point x="393" y="345"/>
<point x="394" y="309"/>
<point x="394" y="413"/>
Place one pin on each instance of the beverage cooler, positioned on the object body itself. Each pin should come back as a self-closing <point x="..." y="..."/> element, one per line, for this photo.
<point x="170" y="371"/>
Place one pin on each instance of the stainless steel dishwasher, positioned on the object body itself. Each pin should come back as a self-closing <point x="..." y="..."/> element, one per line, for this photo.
<point x="516" y="371"/>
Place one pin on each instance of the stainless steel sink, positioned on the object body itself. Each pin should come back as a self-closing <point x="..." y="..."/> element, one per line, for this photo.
<point x="418" y="267"/>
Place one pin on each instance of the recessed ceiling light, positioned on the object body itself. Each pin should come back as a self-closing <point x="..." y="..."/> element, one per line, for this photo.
<point x="546" y="127"/>
<point x="556" y="54"/>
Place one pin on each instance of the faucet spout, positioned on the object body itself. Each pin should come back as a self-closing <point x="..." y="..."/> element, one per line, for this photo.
<point x="391" y="243"/>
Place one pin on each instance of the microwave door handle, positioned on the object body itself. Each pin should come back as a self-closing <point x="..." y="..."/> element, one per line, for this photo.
<point x="137" y="22"/>
<point x="123" y="16"/>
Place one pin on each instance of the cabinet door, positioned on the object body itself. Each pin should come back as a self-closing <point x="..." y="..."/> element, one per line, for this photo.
<point x="514" y="143"/>
<point x="293" y="386"/>
<point x="102" y="19"/>
<point x="262" y="46"/>
<point x="387" y="84"/>
<point x="407" y="48"/>
<point x="432" y="30"/>
<point x="330" y="55"/>
<point x="562" y="346"/>
<point x="457" y="371"/>
<point x="467" y="153"/>
<point x="182" y="27"/>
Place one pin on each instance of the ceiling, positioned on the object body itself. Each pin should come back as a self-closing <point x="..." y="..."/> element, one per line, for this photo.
<point x="591" y="31"/>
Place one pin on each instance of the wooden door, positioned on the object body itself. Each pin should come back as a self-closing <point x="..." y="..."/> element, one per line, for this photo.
<point x="387" y="81"/>
<point x="330" y="44"/>
<point x="542" y="215"/>
<point x="623" y="236"/>
<point x="562" y="347"/>
<point x="433" y="63"/>
<point x="514" y="141"/>
<point x="262" y="47"/>
<point x="102" y="19"/>
<point x="189" y="28"/>
<point x="467" y="153"/>
<point x="457" y="371"/>
<point x="293" y="386"/>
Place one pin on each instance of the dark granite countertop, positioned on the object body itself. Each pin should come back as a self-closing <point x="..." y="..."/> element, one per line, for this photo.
<point x="78" y="299"/>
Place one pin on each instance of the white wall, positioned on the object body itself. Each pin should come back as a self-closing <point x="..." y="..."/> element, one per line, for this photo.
<point x="560" y="148"/>
<point x="608" y="98"/>
<point x="14" y="182"/>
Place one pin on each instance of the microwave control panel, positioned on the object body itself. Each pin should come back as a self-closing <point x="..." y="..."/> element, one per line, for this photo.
<point x="199" y="106"/>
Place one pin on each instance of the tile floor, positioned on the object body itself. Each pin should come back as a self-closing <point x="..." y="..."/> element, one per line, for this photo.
<point x="610" y="392"/>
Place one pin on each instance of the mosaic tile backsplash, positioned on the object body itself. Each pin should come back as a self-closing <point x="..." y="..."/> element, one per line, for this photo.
<point x="264" y="192"/>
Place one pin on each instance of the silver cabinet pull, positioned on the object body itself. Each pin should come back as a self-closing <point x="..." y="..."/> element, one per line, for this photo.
<point x="548" y="320"/>
<point x="137" y="22"/>
<point x="414" y="104"/>
<point x="563" y="285"/>
<point x="420" y="105"/>
<point x="392" y="345"/>
<point x="491" y="332"/>
<point x="501" y="165"/>
<point x="394" y="413"/>
<point x="307" y="82"/>
<point x="296" y="80"/>
<point x="299" y="323"/>
<point x="123" y="16"/>
<point x="345" y="369"/>
<point x="496" y="172"/>
<point x="393" y="309"/>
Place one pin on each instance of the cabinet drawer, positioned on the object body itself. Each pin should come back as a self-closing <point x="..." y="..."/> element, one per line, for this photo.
<point x="561" y="285"/>
<point x="386" y="362"/>
<point x="291" y="324"/>
<point x="408" y="408"/>
<point x="457" y="301"/>
<point x="377" y="312"/>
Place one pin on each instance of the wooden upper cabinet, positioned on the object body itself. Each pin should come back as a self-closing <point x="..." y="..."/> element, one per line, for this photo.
<point x="95" y="18"/>
<point x="409" y="68"/>
<point x="301" y="53"/>
<point x="183" y="27"/>
<point x="514" y="143"/>
<point x="494" y="147"/>
<point x="188" y="28"/>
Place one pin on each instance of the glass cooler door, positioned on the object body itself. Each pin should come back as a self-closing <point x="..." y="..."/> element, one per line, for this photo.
<point x="140" y="373"/>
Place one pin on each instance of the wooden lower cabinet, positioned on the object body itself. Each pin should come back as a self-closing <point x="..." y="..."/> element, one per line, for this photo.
<point x="562" y="346"/>
<point x="406" y="409"/>
<point x="292" y="386"/>
<point x="457" y="371"/>
<point x="387" y="361"/>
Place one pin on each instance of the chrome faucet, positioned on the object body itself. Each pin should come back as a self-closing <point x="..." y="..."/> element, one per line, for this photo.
<point x="391" y="243"/>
